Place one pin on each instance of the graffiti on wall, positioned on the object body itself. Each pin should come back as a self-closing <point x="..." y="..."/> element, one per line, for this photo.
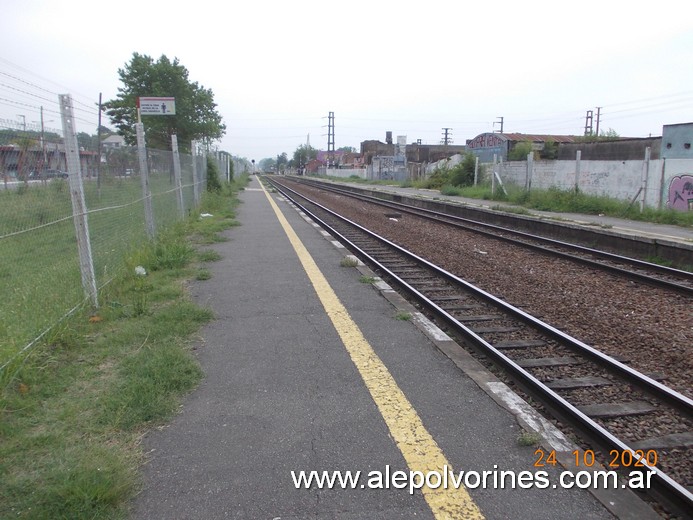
<point x="485" y="141"/>
<point x="681" y="193"/>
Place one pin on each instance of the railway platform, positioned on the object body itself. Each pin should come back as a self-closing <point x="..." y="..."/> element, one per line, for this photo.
<point x="313" y="364"/>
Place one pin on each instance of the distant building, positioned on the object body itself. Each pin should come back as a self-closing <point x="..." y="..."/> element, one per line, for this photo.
<point x="676" y="141"/>
<point x="113" y="141"/>
<point x="313" y="165"/>
<point x="16" y="162"/>
<point x="351" y="160"/>
<point x="375" y="148"/>
<point x="427" y="153"/>
<point x="486" y="145"/>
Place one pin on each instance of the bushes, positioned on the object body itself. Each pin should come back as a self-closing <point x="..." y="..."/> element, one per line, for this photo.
<point x="213" y="183"/>
<point x="520" y="151"/>
<point x="439" y="178"/>
<point x="462" y="174"/>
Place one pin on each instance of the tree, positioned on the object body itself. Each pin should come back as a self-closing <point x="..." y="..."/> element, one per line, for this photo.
<point x="550" y="150"/>
<point x="196" y="117"/>
<point x="24" y="165"/>
<point x="267" y="164"/>
<point x="462" y="174"/>
<point x="105" y="131"/>
<point x="120" y="159"/>
<point x="213" y="182"/>
<point x="520" y="151"/>
<point x="302" y="155"/>
<point x="282" y="161"/>
<point x="609" y="135"/>
<point x="87" y="142"/>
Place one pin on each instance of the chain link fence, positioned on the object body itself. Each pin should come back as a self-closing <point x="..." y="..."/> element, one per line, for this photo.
<point x="41" y="270"/>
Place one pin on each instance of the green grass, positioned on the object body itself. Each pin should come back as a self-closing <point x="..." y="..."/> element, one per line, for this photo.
<point x="355" y="179"/>
<point x="208" y="255"/>
<point x="570" y="201"/>
<point x="40" y="270"/>
<point x="451" y="190"/>
<point x="203" y="274"/>
<point x="73" y="411"/>
<point x="349" y="261"/>
<point x="528" y="439"/>
<point x="40" y="279"/>
<point x="555" y="200"/>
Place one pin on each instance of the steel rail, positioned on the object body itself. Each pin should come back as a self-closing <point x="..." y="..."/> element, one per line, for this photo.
<point x="499" y="233"/>
<point x="666" y="488"/>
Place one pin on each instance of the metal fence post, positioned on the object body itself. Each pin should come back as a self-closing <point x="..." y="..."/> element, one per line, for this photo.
<point x="144" y="175"/>
<point x="177" y="175"/>
<point x="226" y="168"/>
<point x="644" y="179"/>
<point x="203" y="178"/>
<point x="578" y="155"/>
<point x="530" y="171"/>
<point x="196" y="186"/>
<point x="79" y="207"/>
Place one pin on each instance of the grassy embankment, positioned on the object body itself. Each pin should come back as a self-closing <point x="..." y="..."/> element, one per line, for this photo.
<point x="39" y="270"/>
<point x="555" y="200"/>
<point x="73" y="411"/>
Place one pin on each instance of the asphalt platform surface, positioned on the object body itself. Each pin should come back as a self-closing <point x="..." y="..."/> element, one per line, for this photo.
<point x="281" y="393"/>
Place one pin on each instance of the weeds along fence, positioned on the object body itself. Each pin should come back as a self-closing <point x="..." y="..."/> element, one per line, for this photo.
<point x="45" y="258"/>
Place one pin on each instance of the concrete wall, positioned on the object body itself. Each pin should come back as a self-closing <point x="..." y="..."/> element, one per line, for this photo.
<point x="444" y="163"/>
<point x="677" y="184"/>
<point x="661" y="179"/>
<point x="626" y="149"/>
<point x="425" y="153"/>
<point x="343" y="174"/>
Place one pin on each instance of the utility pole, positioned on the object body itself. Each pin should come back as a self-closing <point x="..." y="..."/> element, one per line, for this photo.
<point x="42" y="138"/>
<point x="447" y="136"/>
<point x="588" y="123"/>
<point x="23" y="121"/>
<point x="447" y="139"/>
<point x="330" y="139"/>
<point x="598" y="114"/>
<point x="500" y="123"/>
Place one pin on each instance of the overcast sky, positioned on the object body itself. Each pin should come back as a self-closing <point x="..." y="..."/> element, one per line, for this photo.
<point x="277" y="68"/>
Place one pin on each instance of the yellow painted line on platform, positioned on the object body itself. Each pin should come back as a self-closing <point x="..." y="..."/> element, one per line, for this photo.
<point x="418" y="447"/>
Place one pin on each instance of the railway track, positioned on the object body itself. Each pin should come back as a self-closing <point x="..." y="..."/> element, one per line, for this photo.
<point x="597" y="395"/>
<point x="634" y="269"/>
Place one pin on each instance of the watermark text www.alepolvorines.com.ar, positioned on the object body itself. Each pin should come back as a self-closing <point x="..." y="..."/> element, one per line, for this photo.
<point x="490" y="479"/>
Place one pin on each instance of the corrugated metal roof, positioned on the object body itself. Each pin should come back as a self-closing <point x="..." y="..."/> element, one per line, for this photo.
<point x="539" y="138"/>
